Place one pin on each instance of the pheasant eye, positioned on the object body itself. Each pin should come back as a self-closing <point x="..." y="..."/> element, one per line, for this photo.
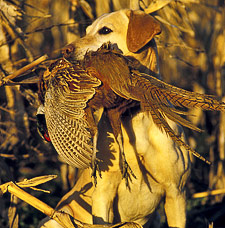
<point x="104" y="31"/>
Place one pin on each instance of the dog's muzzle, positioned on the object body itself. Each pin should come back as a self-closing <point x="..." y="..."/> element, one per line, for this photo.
<point x="68" y="51"/>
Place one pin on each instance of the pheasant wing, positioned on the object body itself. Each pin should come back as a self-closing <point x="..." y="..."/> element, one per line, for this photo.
<point x="111" y="68"/>
<point x="154" y="95"/>
<point x="69" y="88"/>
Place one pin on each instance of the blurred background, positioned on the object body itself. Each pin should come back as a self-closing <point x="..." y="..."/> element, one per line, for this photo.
<point x="192" y="56"/>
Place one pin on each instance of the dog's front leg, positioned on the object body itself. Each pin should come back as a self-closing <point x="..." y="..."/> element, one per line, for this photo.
<point x="175" y="208"/>
<point x="103" y="197"/>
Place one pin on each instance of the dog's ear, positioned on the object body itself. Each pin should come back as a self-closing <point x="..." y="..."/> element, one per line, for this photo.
<point x="141" y="29"/>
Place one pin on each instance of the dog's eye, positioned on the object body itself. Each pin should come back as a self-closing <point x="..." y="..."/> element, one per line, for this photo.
<point x="104" y="31"/>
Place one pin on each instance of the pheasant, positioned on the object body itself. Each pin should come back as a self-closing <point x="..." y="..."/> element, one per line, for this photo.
<point x="70" y="95"/>
<point x="71" y="92"/>
<point x="155" y="96"/>
<point x="65" y="89"/>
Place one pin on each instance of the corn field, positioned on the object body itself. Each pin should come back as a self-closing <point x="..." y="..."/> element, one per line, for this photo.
<point x="191" y="54"/>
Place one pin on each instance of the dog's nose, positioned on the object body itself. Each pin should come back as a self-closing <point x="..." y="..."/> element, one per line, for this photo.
<point x="68" y="50"/>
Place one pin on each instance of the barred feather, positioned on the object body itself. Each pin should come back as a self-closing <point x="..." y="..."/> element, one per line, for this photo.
<point x="155" y="96"/>
<point x="70" y="87"/>
<point x="162" y="124"/>
<point x="180" y="97"/>
<point x="65" y="100"/>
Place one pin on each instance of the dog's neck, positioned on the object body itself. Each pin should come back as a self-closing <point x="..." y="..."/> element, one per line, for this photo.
<point x="148" y="59"/>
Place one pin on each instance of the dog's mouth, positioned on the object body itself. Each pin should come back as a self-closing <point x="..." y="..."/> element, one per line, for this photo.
<point x="71" y="53"/>
<point x="68" y="51"/>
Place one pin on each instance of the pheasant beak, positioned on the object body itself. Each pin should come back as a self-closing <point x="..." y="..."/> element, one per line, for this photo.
<point x="41" y="124"/>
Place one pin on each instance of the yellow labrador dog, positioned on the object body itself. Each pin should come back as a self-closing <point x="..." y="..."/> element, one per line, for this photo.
<point x="160" y="166"/>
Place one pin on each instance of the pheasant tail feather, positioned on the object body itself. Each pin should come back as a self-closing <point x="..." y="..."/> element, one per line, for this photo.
<point x="166" y="93"/>
<point x="162" y="124"/>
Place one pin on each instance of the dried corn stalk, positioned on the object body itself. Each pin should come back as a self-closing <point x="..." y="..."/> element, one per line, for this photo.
<point x="64" y="219"/>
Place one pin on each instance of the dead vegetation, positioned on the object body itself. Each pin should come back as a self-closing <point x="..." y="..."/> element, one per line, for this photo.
<point x="192" y="56"/>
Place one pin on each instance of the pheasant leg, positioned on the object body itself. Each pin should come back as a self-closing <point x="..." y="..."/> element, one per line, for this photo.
<point x="115" y="121"/>
<point x="94" y="132"/>
<point x="125" y="167"/>
<point x="95" y="161"/>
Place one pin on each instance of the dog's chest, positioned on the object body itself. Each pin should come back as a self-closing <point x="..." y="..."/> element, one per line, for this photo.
<point x="141" y="200"/>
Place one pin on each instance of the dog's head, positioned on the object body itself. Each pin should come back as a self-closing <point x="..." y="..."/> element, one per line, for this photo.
<point x="131" y="31"/>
